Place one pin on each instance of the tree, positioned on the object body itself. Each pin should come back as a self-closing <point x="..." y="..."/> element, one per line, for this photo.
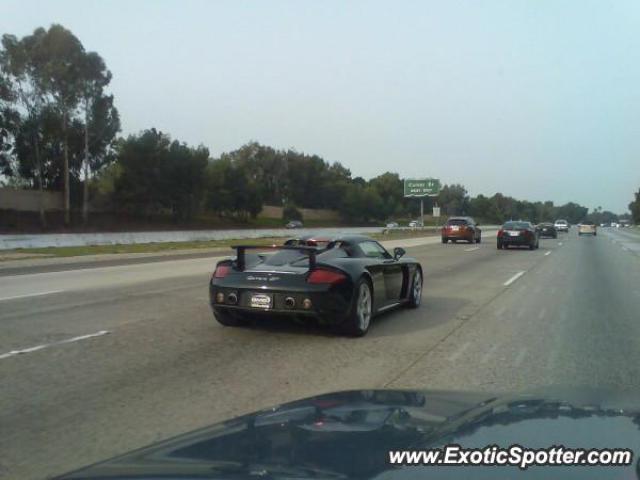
<point x="158" y="176"/>
<point x="290" y="212"/>
<point x="101" y="120"/>
<point x="231" y="190"/>
<point x="9" y="119"/>
<point x="60" y="61"/>
<point x="390" y="189"/>
<point x="634" y="206"/>
<point x="453" y="199"/>
<point x="20" y="64"/>
<point x="572" y="212"/>
<point x="361" y="204"/>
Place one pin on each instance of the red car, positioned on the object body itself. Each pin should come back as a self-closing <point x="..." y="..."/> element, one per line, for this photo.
<point x="461" y="228"/>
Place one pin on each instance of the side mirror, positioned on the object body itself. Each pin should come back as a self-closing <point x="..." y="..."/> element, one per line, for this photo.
<point x="398" y="252"/>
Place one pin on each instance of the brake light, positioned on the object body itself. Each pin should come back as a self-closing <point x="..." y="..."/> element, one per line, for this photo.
<point x="321" y="276"/>
<point x="222" y="271"/>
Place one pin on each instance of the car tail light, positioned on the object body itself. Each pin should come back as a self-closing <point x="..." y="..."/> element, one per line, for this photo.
<point x="221" y="271"/>
<point x="321" y="275"/>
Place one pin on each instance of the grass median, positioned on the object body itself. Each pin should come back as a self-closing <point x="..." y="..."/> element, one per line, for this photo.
<point x="177" y="247"/>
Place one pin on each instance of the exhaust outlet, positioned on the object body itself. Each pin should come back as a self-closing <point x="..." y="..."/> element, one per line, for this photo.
<point x="290" y="302"/>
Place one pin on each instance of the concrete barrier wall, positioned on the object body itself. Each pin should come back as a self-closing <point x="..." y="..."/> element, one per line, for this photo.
<point x="29" y="200"/>
<point x="82" y="239"/>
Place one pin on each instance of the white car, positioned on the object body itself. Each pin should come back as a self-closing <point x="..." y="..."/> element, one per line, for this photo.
<point x="587" y="228"/>
<point x="414" y="223"/>
<point x="561" y="225"/>
<point x="392" y="225"/>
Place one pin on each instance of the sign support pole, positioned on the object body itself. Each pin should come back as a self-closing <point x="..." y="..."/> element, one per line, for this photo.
<point x="422" y="212"/>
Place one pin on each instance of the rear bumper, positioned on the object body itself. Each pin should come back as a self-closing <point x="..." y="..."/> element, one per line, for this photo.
<point x="515" y="241"/>
<point x="457" y="235"/>
<point x="329" y="306"/>
<point x="562" y="229"/>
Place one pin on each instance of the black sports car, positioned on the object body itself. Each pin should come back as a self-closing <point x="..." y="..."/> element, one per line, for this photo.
<point x="344" y="282"/>
<point x="547" y="230"/>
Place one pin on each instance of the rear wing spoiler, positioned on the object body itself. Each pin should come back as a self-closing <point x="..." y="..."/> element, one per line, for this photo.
<point x="241" y="251"/>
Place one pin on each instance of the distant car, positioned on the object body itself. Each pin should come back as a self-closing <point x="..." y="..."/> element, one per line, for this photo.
<point x="615" y="224"/>
<point x="461" y="228"/>
<point x="561" y="225"/>
<point x="518" y="234"/>
<point x="587" y="228"/>
<point x="547" y="230"/>
<point x="345" y="282"/>
<point x="414" y="223"/>
<point x="392" y="225"/>
<point x="294" y="224"/>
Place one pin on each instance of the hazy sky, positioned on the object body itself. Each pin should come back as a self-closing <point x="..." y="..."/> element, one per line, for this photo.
<point x="536" y="99"/>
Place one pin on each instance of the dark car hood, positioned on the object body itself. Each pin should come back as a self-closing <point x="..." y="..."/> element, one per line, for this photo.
<point x="348" y="435"/>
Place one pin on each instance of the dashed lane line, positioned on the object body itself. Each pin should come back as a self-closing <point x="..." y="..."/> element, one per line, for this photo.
<point x="514" y="278"/>
<point x="47" y="345"/>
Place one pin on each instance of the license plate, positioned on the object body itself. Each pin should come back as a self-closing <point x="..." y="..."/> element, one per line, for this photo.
<point x="514" y="234"/>
<point x="260" y="300"/>
<point x="454" y="229"/>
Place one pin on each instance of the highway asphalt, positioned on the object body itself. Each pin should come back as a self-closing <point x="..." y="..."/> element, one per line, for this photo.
<point x="97" y="361"/>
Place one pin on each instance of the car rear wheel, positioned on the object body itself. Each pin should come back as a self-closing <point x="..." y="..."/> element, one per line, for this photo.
<point x="532" y="246"/>
<point x="478" y="239"/>
<point x="359" y="319"/>
<point x="445" y="240"/>
<point x="416" y="290"/>
<point x="472" y="239"/>
<point x="228" y="319"/>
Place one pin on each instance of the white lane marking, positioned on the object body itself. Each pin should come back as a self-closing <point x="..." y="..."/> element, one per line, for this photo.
<point x="547" y="254"/>
<point x="624" y="248"/>
<point x="520" y="358"/>
<point x="26" y="295"/>
<point x="472" y="249"/>
<point x="47" y="345"/>
<point x="458" y="353"/>
<point x="542" y="313"/>
<point x="513" y="279"/>
<point x="559" y="244"/>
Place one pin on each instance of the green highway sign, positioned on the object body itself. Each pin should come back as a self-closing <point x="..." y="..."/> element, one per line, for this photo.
<point x="425" y="187"/>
